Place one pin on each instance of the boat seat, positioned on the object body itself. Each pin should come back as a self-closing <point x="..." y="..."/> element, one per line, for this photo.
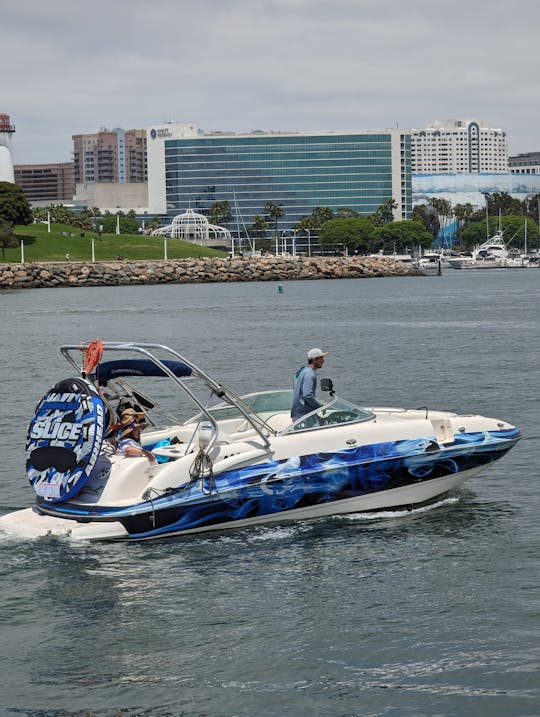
<point x="279" y="421"/>
<point x="222" y="437"/>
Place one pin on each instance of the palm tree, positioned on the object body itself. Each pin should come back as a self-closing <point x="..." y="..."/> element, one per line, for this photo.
<point x="220" y="212"/>
<point x="385" y="213"/>
<point x="464" y="214"/>
<point x="259" y="226"/>
<point x="443" y="209"/>
<point x="274" y="211"/>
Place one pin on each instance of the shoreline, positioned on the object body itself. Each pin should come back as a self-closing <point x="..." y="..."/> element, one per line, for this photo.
<point x="37" y="275"/>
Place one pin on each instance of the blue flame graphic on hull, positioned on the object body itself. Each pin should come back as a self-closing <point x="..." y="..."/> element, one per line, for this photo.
<point x="274" y="487"/>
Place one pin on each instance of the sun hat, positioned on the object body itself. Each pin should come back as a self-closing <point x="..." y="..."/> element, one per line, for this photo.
<point x="129" y="414"/>
<point x="316" y="353"/>
<point x="130" y="419"/>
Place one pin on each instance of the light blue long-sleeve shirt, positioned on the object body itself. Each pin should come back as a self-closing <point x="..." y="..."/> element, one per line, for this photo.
<point x="305" y="386"/>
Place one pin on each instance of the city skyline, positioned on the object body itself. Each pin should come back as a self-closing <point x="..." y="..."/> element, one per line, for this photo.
<point x="239" y="65"/>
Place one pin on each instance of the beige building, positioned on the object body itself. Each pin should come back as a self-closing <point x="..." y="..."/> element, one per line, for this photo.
<point x="455" y="146"/>
<point x="46" y="183"/>
<point x="114" y="155"/>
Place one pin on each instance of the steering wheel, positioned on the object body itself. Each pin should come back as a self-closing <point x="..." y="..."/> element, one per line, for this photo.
<point x="339" y="417"/>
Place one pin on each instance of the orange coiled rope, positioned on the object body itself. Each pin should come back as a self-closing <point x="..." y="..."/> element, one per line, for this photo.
<point x="92" y="355"/>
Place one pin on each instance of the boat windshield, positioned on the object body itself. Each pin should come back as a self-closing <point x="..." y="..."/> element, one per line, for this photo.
<point x="337" y="412"/>
<point x="260" y="403"/>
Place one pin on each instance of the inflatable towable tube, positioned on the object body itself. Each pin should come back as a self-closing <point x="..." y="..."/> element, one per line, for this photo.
<point x="64" y="439"/>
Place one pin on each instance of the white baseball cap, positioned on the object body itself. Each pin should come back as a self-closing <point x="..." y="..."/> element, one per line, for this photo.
<point x="316" y="353"/>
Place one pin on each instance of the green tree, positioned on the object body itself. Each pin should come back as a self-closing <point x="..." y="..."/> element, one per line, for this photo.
<point x="39" y="214"/>
<point x="513" y="229"/>
<point x="14" y="207"/>
<point x="533" y="207"/>
<point x="400" y="236"/>
<point x="259" y="228"/>
<point x="314" y="221"/>
<point x="504" y="203"/>
<point x="428" y="217"/>
<point x="355" y="233"/>
<point x="273" y="212"/>
<point x="463" y="214"/>
<point x="384" y="214"/>
<point x="515" y="233"/>
<point x="444" y="211"/>
<point x="346" y="213"/>
<point x="128" y="224"/>
<point x="60" y="214"/>
<point x="220" y="212"/>
<point x="8" y="240"/>
<point x="474" y="233"/>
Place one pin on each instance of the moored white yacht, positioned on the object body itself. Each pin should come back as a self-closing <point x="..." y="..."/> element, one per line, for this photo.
<point x="430" y="263"/>
<point x="491" y="254"/>
<point x="238" y="461"/>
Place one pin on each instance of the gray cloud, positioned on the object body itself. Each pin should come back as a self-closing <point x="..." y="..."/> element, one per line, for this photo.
<point x="268" y="64"/>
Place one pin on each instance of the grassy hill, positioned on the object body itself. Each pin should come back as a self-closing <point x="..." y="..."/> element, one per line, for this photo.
<point x="39" y="246"/>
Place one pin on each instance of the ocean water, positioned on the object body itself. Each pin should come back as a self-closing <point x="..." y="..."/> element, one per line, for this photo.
<point x="428" y="613"/>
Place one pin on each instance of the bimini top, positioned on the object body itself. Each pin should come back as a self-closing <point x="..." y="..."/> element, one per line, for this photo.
<point x="138" y="367"/>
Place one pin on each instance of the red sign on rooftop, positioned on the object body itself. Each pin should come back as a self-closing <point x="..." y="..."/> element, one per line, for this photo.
<point x="5" y="125"/>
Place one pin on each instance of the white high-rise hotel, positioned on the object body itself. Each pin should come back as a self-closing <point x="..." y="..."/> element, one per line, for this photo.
<point x="455" y="146"/>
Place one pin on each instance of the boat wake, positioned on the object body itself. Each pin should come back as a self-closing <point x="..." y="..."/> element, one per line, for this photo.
<point x="401" y="513"/>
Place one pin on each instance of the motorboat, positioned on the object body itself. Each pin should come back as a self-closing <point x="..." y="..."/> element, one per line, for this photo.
<point x="225" y="460"/>
<point x="491" y="254"/>
<point x="430" y="264"/>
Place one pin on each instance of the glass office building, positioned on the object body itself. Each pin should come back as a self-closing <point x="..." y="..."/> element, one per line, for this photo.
<point x="297" y="171"/>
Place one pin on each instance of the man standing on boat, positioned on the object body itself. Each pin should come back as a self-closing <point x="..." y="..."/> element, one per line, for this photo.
<point x="305" y="385"/>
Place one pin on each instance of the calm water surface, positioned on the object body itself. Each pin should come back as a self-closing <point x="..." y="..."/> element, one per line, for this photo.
<point x="417" y="614"/>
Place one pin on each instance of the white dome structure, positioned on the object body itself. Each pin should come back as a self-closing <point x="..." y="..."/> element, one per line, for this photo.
<point x="195" y="228"/>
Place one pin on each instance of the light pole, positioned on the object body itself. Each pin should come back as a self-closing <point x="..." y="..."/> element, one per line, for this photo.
<point x="22" y="251"/>
<point x="165" y="248"/>
<point x="294" y="242"/>
<point x="283" y="241"/>
<point x="93" y="250"/>
<point x="486" y="197"/>
<point x="308" y="232"/>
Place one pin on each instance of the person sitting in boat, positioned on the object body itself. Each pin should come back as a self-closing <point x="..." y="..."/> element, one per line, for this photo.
<point x="129" y="435"/>
<point x="305" y="385"/>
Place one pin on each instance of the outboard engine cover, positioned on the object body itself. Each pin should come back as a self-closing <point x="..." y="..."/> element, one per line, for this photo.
<point x="64" y="439"/>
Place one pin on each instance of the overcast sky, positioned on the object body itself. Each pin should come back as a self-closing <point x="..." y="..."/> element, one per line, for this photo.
<point x="71" y="67"/>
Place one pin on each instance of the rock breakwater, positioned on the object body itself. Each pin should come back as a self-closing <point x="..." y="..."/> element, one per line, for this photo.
<point x="197" y="271"/>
